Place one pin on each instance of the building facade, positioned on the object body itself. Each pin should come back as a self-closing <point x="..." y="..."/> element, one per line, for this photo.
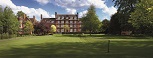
<point x="60" y="20"/>
<point x="22" y="21"/>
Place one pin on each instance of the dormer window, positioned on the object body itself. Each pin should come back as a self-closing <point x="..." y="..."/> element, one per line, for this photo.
<point x="71" y="18"/>
<point x="58" y="18"/>
<point x="62" y="17"/>
<point x="67" y="17"/>
<point x="75" y="18"/>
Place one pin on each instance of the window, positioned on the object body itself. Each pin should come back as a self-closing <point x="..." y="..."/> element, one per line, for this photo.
<point x="80" y="22"/>
<point x="80" y="25"/>
<point x="62" y="30"/>
<point x="67" y="17"/>
<point x="75" y="18"/>
<point x="71" y="25"/>
<point x="62" y="17"/>
<point x="80" y="30"/>
<point x="58" y="25"/>
<point x="71" y="30"/>
<point x="62" y="21"/>
<point x="74" y="25"/>
<point x="67" y="21"/>
<point x="58" y="18"/>
<point x="74" y="21"/>
<point x="52" y="21"/>
<point x="48" y="21"/>
<point x="58" y="30"/>
<point x="62" y="25"/>
<point x="58" y="21"/>
<point x="71" y="21"/>
<point x="74" y="30"/>
<point x="71" y="18"/>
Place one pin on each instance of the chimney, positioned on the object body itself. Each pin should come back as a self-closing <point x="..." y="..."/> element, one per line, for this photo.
<point x="55" y="13"/>
<point x="41" y="17"/>
<point x="33" y="17"/>
<point x="77" y="15"/>
<point x="24" y="16"/>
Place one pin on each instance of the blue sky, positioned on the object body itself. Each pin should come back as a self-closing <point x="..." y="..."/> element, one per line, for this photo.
<point x="104" y="8"/>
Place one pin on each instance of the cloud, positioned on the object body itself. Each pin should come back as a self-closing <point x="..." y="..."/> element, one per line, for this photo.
<point x="71" y="11"/>
<point x="83" y="13"/>
<point x="52" y="16"/>
<point x="110" y="10"/>
<point x="84" y="4"/>
<point x="43" y="2"/>
<point x="29" y="11"/>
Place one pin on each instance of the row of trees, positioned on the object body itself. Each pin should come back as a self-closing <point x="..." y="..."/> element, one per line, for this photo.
<point x="133" y="15"/>
<point x="8" y="22"/>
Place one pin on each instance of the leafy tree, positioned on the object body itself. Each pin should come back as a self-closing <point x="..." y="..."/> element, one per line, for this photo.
<point x="66" y="28"/>
<point x="91" y="22"/>
<point x="10" y="22"/>
<point x="1" y="17"/>
<point x="20" y="14"/>
<point x="42" y="28"/>
<point x="114" y="27"/>
<point x="53" y="28"/>
<point x="142" y="17"/>
<point x="28" y="29"/>
<point x="105" y="25"/>
<point x="125" y="7"/>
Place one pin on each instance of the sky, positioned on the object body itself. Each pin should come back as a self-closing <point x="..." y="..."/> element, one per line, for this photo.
<point x="104" y="8"/>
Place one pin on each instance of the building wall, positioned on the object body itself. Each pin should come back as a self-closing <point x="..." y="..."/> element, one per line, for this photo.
<point x="68" y="19"/>
<point x="64" y="19"/>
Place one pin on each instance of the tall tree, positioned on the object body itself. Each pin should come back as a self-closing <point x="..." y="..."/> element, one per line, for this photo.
<point x="1" y="18"/>
<point x="91" y="22"/>
<point x="10" y="22"/>
<point x="28" y="29"/>
<point x="142" y="17"/>
<point x="125" y="7"/>
<point x="114" y="27"/>
<point x="105" y="25"/>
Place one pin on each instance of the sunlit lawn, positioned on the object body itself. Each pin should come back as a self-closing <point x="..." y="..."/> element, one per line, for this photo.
<point x="72" y="46"/>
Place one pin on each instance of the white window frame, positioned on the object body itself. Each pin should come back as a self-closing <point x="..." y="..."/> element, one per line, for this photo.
<point x="71" y="30"/>
<point x="74" y="30"/>
<point x="62" y="21"/>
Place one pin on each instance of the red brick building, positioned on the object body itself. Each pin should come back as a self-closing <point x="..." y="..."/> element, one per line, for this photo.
<point x="60" y="20"/>
<point x="22" y="21"/>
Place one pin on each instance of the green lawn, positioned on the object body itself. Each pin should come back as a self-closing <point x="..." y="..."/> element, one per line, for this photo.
<point x="72" y="46"/>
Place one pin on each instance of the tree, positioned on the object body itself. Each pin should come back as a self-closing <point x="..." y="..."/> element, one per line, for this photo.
<point x="91" y="22"/>
<point x="114" y="27"/>
<point x="28" y="29"/>
<point x="105" y="25"/>
<point x="1" y="23"/>
<point x="125" y="7"/>
<point x="53" y="28"/>
<point x="20" y="14"/>
<point x="42" y="28"/>
<point x="10" y="22"/>
<point x="142" y="17"/>
<point x="66" y="28"/>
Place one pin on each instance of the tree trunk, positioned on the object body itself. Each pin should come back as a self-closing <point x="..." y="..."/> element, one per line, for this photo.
<point x="90" y="33"/>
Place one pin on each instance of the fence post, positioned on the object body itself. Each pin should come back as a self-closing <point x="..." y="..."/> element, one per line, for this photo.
<point x="108" y="46"/>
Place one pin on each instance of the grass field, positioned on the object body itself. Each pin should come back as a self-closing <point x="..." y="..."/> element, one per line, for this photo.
<point x="72" y="46"/>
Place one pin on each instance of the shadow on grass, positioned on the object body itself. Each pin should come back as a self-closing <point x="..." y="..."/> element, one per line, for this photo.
<point x="81" y="50"/>
<point x="102" y="36"/>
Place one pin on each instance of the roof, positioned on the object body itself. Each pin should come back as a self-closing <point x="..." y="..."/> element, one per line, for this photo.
<point x="66" y="15"/>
